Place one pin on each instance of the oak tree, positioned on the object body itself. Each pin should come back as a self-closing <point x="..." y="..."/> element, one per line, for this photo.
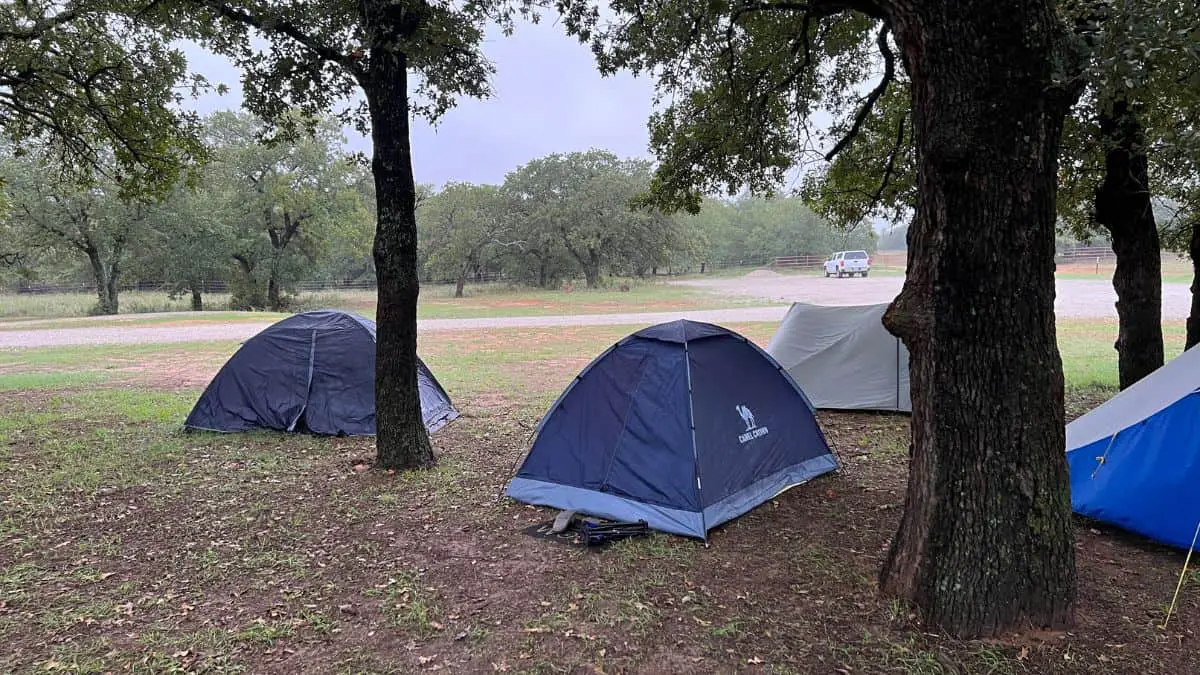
<point x="463" y="227"/>
<point x="587" y="201"/>
<point x="405" y="59"/>
<point x="98" y="89"/>
<point x="985" y="543"/>
<point x="1121" y="139"/>
<point x="94" y="222"/>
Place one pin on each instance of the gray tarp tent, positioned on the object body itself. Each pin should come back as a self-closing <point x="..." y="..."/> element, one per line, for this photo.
<point x="310" y="372"/>
<point x="843" y="358"/>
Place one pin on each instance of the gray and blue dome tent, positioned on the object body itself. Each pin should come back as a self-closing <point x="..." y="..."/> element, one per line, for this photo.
<point x="1135" y="459"/>
<point x="683" y="425"/>
<point x="310" y="372"/>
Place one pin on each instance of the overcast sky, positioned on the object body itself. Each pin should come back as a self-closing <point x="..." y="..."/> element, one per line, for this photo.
<point x="549" y="97"/>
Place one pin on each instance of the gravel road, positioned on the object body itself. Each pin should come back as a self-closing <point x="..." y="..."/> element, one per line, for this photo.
<point x="1076" y="299"/>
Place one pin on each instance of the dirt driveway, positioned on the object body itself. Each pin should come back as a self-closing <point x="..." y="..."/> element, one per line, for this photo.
<point x="1077" y="299"/>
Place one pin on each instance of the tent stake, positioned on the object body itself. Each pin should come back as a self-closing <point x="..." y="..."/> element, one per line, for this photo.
<point x="1181" y="575"/>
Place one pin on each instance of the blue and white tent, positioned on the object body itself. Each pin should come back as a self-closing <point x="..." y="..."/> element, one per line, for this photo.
<point x="684" y="425"/>
<point x="1135" y="460"/>
<point x="312" y="372"/>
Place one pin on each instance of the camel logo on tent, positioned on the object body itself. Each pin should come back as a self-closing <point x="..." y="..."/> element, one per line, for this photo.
<point x="753" y="431"/>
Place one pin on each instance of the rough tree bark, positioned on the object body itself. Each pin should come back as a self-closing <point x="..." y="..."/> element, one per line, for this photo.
<point x="1193" y="322"/>
<point x="985" y="544"/>
<point x="280" y="238"/>
<point x="274" y="296"/>
<point x="106" y="282"/>
<point x="591" y="274"/>
<point x="114" y="274"/>
<point x="401" y="441"/>
<point x="1123" y="207"/>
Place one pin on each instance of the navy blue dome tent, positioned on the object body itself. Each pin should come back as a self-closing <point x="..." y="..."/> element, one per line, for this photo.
<point x="310" y="372"/>
<point x="683" y="425"/>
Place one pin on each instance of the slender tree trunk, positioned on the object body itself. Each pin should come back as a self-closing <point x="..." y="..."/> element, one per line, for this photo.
<point x="274" y="297"/>
<point x="105" y="300"/>
<point x="542" y="275"/>
<point x="1193" y="322"/>
<point x="985" y="544"/>
<point x="460" y="283"/>
<point x="114" y="303"/>
<point x="197" y="299"/>
<point x="401" y="439"/>
<point x="1123" y="208"/>
<point x="591" y="269"/>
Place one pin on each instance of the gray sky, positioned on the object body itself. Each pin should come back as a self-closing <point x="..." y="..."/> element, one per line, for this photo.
<point x="549" y="97"/>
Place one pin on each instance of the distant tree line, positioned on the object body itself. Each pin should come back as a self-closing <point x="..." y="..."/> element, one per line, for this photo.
<point x="260" y="216"/>
<point x="575" y="215"/>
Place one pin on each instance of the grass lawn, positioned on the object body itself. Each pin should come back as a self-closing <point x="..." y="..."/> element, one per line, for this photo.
<point x="127" y="546"/>
<point x="1175" y="270"/>
<point x="24" y="312"/>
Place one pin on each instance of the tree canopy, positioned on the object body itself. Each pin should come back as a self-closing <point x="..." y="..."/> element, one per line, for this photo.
<point x="99" y="89"/>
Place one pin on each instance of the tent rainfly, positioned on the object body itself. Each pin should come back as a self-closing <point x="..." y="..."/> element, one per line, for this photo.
<point x="683" y="425"/>
<point x="843" y="358"/>
<point x="310" y="372"/>
<point x="1135" y="460"/>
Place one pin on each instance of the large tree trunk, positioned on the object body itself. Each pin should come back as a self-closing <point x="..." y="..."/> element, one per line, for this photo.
<point x="1123" y="208"/>
<point x="1193" y="322"/>
<point x="985" y="544"/>
<point x="401" y="439"/>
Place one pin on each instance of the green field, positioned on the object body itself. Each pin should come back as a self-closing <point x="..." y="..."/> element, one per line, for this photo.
<point x="436" y="302"/>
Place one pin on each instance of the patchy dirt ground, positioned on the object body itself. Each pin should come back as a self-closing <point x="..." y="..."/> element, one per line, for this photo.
<point x="126" y="546"/>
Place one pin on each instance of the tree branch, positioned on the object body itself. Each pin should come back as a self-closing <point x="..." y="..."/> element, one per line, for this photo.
<point x="278" y="26"/>
<point x="889" y="74"/>
<point x="890" y="167"/>
<point x="40" y="28"/>
<point x="816" y="8"/>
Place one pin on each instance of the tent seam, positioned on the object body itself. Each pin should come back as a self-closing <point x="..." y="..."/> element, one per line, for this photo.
<point x="312" y="356"/>
<point x="612" y="460"/>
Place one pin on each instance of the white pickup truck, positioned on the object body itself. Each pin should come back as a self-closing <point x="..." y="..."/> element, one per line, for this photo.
<point x="848" y="263"/>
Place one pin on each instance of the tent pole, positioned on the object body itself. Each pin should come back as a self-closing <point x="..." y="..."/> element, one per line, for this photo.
<point x="687" y="364"/>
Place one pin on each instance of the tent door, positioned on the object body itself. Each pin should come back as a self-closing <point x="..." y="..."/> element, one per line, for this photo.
<point x="312" y="355"/>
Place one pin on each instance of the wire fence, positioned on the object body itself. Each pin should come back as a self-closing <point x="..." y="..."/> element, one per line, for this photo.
<point x="883" y="259"/>
<point x="360" y="284"/>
